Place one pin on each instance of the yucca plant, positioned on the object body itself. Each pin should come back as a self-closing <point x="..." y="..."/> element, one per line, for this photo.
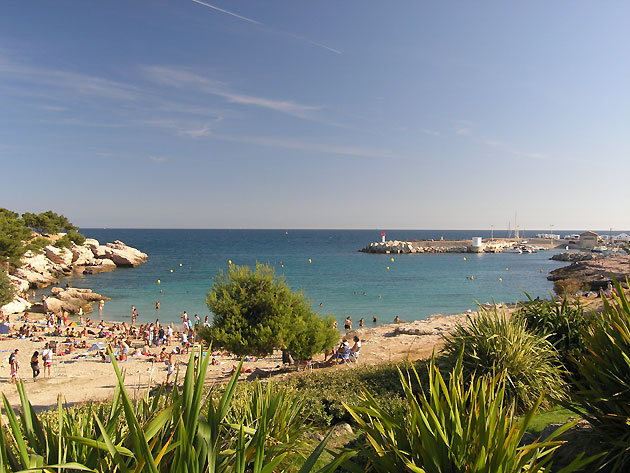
<point x="561" y="323"/>
<point x="603" y="394"/>
<point x="160" y="434"/>
<point x="463" y="426"/>
<point x="493" y="342"/>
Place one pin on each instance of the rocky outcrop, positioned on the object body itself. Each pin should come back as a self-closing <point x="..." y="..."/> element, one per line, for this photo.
<point x="124" y="255"/>
<point x="573" y="256"/>
<point x="20" y="285"/>
<point x="71" y="300"/>
<point x="61" y="256"/>
<point x="99" y="266"/>
<point x="16" y="306"/>
<point x="81" y="255"/>
<point x="45" y="268"/>
<point x="593" y="274"/>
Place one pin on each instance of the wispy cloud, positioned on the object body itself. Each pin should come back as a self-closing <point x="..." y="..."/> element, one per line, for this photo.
<point x="197" y="133"/>
<point x="183" y="79"/>
<point x="158" y="159"/>
<point x="427" y="131"/>
<point x="463" y="131"/>
<point x="353" y="151"/>
<point x="256" y="22"/>
<point x="504" y="148"/>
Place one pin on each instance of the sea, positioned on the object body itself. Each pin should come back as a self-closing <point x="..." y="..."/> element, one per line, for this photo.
<point x="325" y="264"/>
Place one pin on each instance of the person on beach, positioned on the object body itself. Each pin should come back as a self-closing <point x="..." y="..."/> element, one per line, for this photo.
<point x="348" y="323"/>
<point x="47" y="357"/>
<point x="361" y="322"/>
<point x="35" y="365"/>
<point x="354" y="351"/>
<point x="14" y="366"/>
<point x="374" y="319"/>
<point x="396" y="320"/>
<point x="170" y="366"/>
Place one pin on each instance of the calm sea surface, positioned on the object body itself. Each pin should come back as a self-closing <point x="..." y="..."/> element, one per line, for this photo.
<point x="414" y="287"/>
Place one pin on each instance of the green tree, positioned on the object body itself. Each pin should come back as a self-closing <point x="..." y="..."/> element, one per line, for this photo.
<point x="13" y="234"/>
<point x="255" y="312"/>
<point x="6" y="288"/>
<point x="48" y="222"/>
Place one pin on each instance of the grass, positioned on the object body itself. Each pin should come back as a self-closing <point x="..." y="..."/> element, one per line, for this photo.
<point x="553" y="415"/>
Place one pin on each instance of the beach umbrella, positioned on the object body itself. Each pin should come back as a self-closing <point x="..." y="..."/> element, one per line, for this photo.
<point x="97" y="347"/>
<point x="4" y="329"/>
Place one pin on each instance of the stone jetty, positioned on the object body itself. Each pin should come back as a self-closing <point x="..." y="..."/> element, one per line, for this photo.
<point x="438" y="246"/>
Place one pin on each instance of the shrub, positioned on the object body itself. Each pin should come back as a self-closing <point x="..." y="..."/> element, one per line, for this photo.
<point x="7" y="290"/>
<point x="562" y="324"/>
<point x="326" y="391"/>
<point x="603" y="394"/>
<point x="160" y="434"/>
<point x="492" y="342"/>
<point x="37" y="244"/>
<point x="255" y="312"/>
<point x="567" y="287"/>
<point x="467" y="425"/>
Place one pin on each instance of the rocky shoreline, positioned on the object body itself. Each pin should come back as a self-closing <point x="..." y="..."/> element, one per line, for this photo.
<point x="592" y="274"/>
<point x="44" y="269"/>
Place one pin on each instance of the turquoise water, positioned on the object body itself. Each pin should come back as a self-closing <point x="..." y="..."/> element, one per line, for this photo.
<point x="414" y="287"/>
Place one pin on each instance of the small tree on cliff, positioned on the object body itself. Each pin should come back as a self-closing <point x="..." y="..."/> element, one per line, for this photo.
<point x="13" y="234"/>
<point x="7" y="290"/>
<point x="255" y="312"/>
<point x="48" y="222"/>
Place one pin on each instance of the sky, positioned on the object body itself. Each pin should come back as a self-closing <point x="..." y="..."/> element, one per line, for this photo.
<point x="320" y="114"/>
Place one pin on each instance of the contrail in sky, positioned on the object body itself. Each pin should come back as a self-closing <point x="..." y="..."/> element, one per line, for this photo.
<point x="244" y="18"/>
<point x="227" y="12"/>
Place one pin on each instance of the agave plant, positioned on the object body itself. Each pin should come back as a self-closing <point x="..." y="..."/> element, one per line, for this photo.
<point x="162" y="433"/>
<point x="603" y="394"/>
<point x="492" y="341"/>
<point x="459" y="427"/>
<point x="562" y="324"/>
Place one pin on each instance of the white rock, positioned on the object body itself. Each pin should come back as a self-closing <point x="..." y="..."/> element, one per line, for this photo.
<point x="21" y="285"/>
<point x="16" y="306"/>
<point x="81" y="255"/>
<point x="62" y="256"/>
<point x="124" y="255"/>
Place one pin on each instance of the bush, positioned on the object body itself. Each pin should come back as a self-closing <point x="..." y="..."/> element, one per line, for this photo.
<point x="255" y="313"/>
<point x="37" y="244"/>
<point x="162" y="433"/>
<point x="603" y="394"/>
<point x="48" y="222"/>
<point x="494" y="343"/>
<point x="466" y="425"/>
<point x="326" y="391"/>
<point x="562" y="324"/>
<point x="13" y="233"/>
<point x="7" y="290"/>
<point x="69" y="238"/>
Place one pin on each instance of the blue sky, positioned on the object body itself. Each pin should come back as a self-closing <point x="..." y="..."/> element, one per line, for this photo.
<point x="327" y="114"/>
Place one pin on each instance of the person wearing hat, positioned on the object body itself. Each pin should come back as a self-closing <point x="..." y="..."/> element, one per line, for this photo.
<point x="14" y="365"/>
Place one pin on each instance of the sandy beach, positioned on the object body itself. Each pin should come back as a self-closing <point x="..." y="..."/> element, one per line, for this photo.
<point x="82" y="376"/>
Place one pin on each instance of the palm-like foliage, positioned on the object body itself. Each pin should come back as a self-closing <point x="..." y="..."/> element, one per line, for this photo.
<point x="562" y="324"/>
<point x="603" y="394"/>
<point x="160" y="434"/>
<point x="459" y="427"/>
<point x="492" y="342"/>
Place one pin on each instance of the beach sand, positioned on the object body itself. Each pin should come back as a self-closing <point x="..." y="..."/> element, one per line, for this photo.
<point x="88" y="378"/>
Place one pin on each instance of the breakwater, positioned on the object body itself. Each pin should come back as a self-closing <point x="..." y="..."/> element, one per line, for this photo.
<point x="439" y="246"/>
